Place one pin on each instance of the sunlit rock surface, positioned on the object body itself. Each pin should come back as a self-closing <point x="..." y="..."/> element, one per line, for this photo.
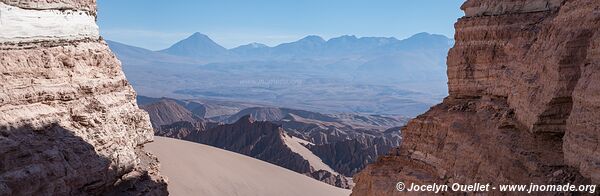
<point x="69" y="123"/>
<point x="523" y="106"/>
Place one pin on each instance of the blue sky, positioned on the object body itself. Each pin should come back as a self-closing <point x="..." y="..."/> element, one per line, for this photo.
<point x="159" y="23"/>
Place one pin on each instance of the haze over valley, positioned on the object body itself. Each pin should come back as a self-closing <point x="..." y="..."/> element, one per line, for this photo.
<point x="321" y="108"/>
<point x="346" y="74"/>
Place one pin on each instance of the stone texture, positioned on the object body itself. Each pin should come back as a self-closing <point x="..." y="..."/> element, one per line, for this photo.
<point x="83" y="5"/>
<point x="582" y="138"/>
<point x="26" y="25"/>
<point x="523" y="107"/>
<point x="69" y="124"/>
<point x="483" y="8"/>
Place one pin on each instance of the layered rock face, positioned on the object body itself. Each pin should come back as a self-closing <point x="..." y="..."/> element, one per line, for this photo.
<point x="69" y="124"/>
<point x="523" y="105"/>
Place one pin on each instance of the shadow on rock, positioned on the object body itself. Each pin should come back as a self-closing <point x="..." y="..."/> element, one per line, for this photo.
<point x="54" y="161"/>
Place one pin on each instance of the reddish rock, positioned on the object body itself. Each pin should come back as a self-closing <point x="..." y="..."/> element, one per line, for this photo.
<point x="523" y="107"/>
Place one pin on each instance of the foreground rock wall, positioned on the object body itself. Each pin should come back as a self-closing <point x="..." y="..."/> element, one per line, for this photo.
<point x="69" y="124"/>
<point x="523" y="107"/>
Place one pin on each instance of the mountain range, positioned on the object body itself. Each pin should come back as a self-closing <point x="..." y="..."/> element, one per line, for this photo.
<point x="370" y="75"/>
<point x="201" y="47"/>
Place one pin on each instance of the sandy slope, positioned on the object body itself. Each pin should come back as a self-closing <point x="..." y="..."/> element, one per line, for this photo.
<point x="195" y="169"/>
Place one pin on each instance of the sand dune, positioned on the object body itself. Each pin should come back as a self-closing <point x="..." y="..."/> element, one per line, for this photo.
<point x="196" y="169"/>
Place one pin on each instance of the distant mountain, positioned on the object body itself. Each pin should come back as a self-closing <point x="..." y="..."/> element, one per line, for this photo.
<point x="204" y="108"/>
<point x="130" y="52"/>
<point x="341" y="121"/>
<point x="423" y="41"/>
<point x="369" y="75"/>
<point x="309" y="45"/>
<point x="251" y="46"/>
<point x="197" y="45"/>
<point x="135" y="55"/>
<point x="353" y="45"/>
<point x="252" y="51"/>
<point x="202" y="47"/>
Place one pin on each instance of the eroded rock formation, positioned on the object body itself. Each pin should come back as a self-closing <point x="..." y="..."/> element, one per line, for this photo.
<point x="523" y="105"/>
<point x="69" y="123"/>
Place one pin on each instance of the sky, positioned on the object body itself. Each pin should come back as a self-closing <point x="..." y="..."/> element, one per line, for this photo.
<point x="158" y="24"/>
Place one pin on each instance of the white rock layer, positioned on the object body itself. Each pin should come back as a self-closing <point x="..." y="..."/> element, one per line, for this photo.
<point x="69" y="123"/>
<point x="26" y="25"/>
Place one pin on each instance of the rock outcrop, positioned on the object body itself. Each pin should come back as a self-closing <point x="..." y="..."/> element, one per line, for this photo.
<point x="69" y="124"/>
<point x="523" y="105"/>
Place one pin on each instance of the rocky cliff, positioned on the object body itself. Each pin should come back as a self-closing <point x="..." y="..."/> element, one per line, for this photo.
<point x="69" y="124"/>
<point x="523" y="105"/>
